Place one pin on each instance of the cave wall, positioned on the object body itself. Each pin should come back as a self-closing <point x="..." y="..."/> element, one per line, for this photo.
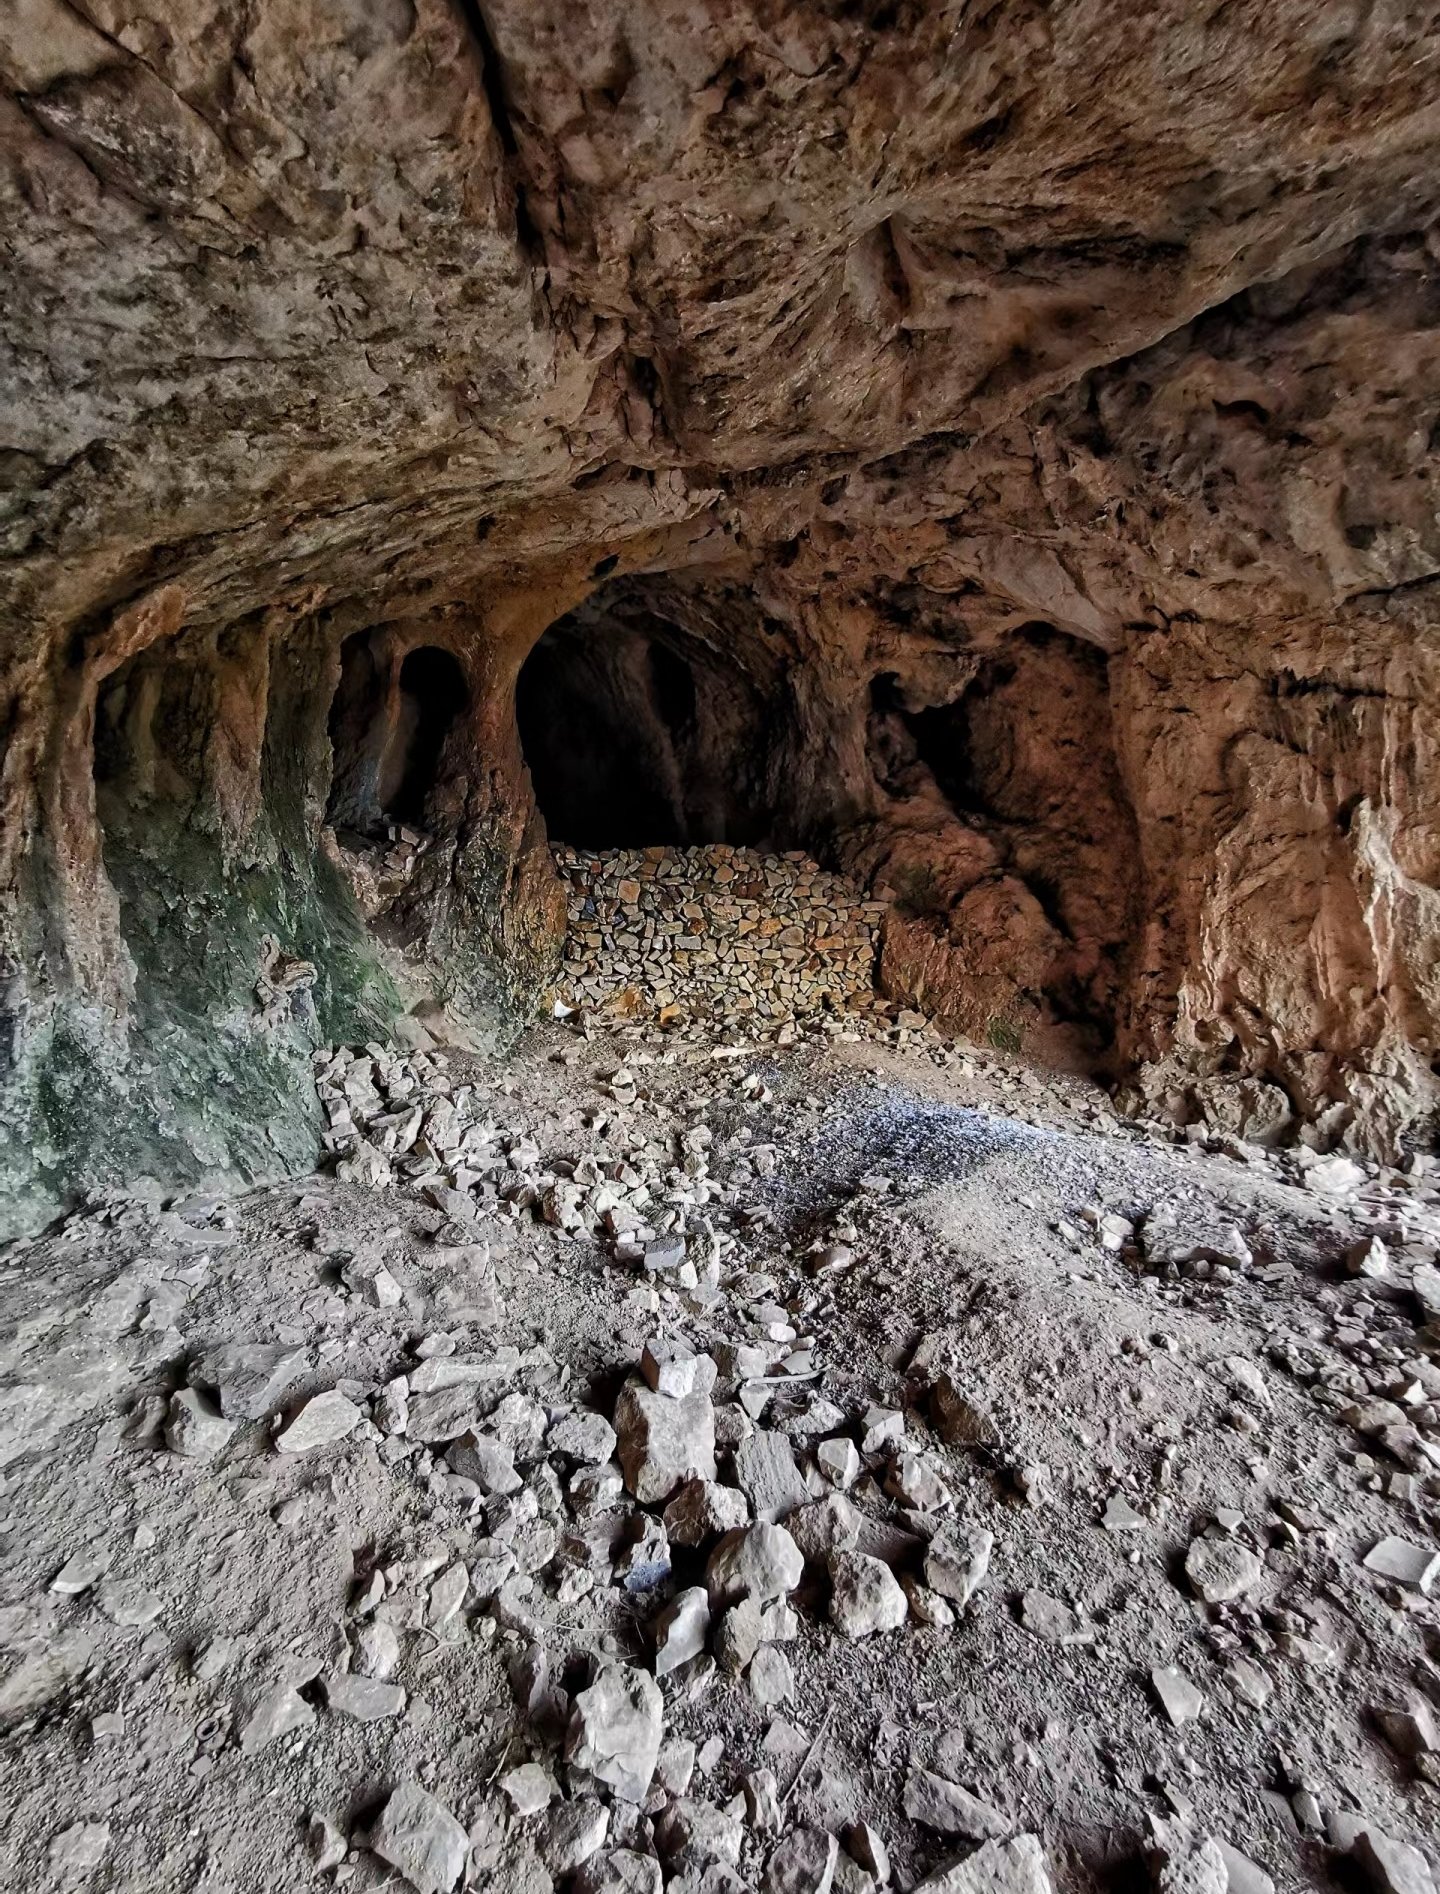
<point x="1073" y="368"/>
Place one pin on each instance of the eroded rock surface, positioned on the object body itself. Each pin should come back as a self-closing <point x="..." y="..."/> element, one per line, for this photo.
<point x="990" y="450"/>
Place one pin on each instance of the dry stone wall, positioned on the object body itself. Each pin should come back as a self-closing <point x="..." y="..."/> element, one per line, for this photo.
<point x="720" y="933"/>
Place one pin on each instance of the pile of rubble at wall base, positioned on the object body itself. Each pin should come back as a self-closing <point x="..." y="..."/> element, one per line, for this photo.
<point x="718" y="933"/>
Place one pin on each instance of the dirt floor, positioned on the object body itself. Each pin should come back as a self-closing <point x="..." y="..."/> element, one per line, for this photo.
<point x="1151" y="1370"/>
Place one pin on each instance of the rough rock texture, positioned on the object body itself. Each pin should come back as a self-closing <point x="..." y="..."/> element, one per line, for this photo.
<point x="1012" y="428"/>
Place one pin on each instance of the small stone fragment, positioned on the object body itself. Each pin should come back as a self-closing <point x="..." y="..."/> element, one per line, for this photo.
<point x="529" y="1788"/>
<point x="323" y="1420"/>
<point x="956" y="1562"/>
<point x="804" y="1863"/>
<point x="839" y="1461"/>
<point x="582" y="1436"/>
<point x="672" y="1367"/>
<point x="79" y="1572"/>
<point x="615" y="1730"/>
<point x="1181" y="1700"/>
<point x="865" y="1596"/>
<point x="365" y="1699"/>
<point x="681" y="1629"/>
<point x="420" y="1838"/>
<point x="274" y="1713"/>
<point x="194" y="1427"/>
<point x="80" y="1848"/>
<point x="759" y="1562"/>
<point x="1221" y="1570"/>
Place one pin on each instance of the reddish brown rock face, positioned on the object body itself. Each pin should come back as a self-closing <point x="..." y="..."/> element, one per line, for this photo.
<point x="995" y="450"/>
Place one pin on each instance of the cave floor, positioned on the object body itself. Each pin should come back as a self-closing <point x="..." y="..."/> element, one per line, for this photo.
<point x="144" y="1713"/>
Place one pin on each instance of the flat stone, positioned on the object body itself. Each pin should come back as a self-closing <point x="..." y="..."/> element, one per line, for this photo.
<point x="323" y="1420"/>
<point x="79" y="1572"/>
<point x="865" y="1596"/>
<point x="866" y="1846"/>
<point x="250" y="1378"/>
<point x="1222" y="1570"/>
<point x="915" y="1483"/>
<point x="1120" y="1515"/>
<point x="1017" y="1866"/>
<point x="951" y="1810"/>
<point x="766" y="1473"/>
<point x="275" y="1712"/>
<point x="421" y="1839"/>
<point x="1181" y="1700"/>
<point x="691" y="1833"/>
<point x="770" y="1677"/>
<point x="959" y="1421"/>
<point x="364" y="1699"/>
<point x="487" y="1461"/>
<point x="662" y="1441"/>
<point x="582" y="1436"/>
<point x="1391" y="1866"/>
<point x="1048" y="1618"/>
<point x="572" y="1833"/>
<point x="377" y="1650"/>
<point x="79" y="1849"/>
<point x="444" y="1415"/>
<point x="615" y="1730"/>
<point x="824" y="1526"/>
<point x="620" y="1871"/>
<point x="1406" y="1563"/>
<point x="1192" y="1864"/>
<point x="760" y="1562"/>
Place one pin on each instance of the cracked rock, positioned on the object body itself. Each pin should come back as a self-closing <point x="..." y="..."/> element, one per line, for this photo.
<point x="1221" y="1570"/>
<point x="956" y="1562"/>
<point x="323" y="1420"/>
<point x="663" y="1441"/>
<point x="759" y="1562"/>
<point x="865" y="1596"/>
<point x="615" y="1730"/>
<point x="420" y="1838"/>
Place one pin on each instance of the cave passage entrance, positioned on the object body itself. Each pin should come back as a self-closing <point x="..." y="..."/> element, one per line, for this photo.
<point x="638" y="735"/>
<point x="388" y="727"/>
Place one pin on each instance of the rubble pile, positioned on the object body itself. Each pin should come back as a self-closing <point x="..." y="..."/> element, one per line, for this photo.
<point x="718" y="933"/>
<point x="797" y="1571"/>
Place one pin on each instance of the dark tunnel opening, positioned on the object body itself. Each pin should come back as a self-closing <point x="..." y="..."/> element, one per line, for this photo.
<point x="387" y="742"/>
<point x="637" y="735"/>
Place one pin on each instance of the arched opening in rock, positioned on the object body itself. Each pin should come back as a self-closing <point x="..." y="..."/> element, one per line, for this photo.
<point x="432" y="695"/>
<point x="637" y="734"/>
<point x="387" y="733"/>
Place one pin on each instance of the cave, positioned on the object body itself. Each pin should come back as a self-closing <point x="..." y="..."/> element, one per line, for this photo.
<point x="387" y="728"/>
<point x="636" y="734"/>
<point x="720" y="947"/>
